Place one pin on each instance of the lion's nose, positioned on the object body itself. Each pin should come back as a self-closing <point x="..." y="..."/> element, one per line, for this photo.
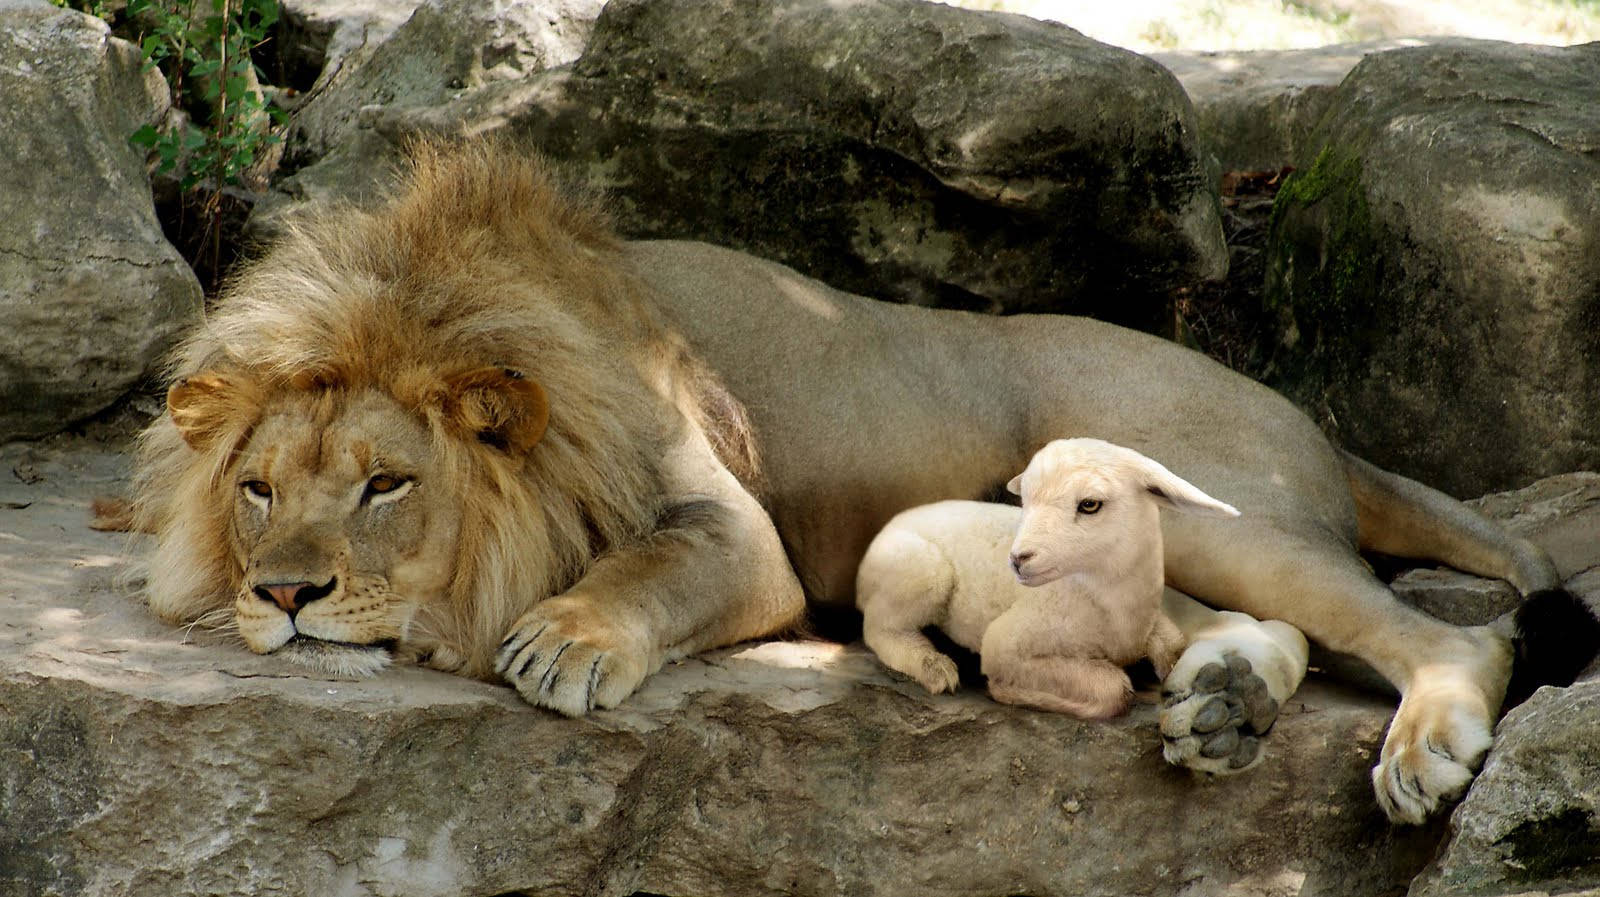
<point x="291" y="596"/>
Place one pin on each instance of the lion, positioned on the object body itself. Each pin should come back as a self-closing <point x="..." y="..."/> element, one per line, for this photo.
<point x="472" y="429"/>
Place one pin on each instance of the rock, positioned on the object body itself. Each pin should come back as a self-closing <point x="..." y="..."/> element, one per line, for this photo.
<point x="314" y="37"/>
<point x="136" y="759"/>
<point x="886" y="147"/>
<point x="1255" y="109"/>
<point x="1532" y="820"/>
<point x="1433" y="262"/>
<point x="445" y="47"/>
<point x="1561" y="513"/>
<point x="91" y="293"/>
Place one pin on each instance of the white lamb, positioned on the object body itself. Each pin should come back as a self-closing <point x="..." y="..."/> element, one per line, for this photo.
<point x="1079" y="600"/>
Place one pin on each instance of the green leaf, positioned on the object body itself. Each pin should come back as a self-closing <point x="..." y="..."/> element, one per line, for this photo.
<point x="145" y="137"/>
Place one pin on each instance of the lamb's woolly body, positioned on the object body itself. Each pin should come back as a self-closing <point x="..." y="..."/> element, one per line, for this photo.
<point x="1092" y="602"/>
<point x="483" y="262"/>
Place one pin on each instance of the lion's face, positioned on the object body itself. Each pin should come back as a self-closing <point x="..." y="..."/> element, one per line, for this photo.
<point x="343" y="528"/>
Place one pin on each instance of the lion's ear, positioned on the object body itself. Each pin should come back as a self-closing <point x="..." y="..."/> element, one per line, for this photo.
<point x="207" y="406"/>
<point x="499" y="407"/>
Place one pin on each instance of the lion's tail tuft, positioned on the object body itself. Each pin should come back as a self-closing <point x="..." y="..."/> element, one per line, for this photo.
<point x="1557" y="636"/>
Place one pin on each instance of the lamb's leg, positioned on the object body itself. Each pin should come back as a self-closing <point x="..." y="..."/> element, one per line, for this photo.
<point x="1223" y="694"/>
<point x="1165" y="644"/>
<point x="910" y="652"/>
<point x="1032" y="657"/>
<point x="1087" y="689"/>
<point x="904" y="584"/>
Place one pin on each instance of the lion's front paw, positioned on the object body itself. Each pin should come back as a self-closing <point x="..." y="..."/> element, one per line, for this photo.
<point x="1434" y="748"/>
<point x="564" y="656"/>
<point x="1224" y="694"/>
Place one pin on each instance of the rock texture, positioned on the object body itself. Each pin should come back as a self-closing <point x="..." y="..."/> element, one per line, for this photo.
<point x="314" y="37"/>
<point x="139" y="760"/>
<point x="445" y="47"/>
<point x="1436" y="263"/>
<point x="91" y="293"/>
<point x="1256" y="109"/>
<point x="887" y="147"/>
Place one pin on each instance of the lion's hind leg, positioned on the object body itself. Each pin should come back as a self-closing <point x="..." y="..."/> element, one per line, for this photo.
<point x="1224" y="693"/>
<point x="904" y="584"/>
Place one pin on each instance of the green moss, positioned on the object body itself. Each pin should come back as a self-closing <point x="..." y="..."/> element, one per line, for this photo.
<point x="1324" y="274"/>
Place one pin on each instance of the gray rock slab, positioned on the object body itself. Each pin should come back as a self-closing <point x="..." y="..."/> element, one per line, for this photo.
<point x="899" y="149"/>
<point x="136" y="759"/>
<point x="91" y="293"/>
<point x="1434" y="264"/>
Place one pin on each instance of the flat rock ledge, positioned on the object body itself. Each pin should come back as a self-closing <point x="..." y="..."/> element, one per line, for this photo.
<point x="139" y="760"/>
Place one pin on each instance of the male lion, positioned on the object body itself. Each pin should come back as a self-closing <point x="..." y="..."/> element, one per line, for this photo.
<point x="474" y="430"/>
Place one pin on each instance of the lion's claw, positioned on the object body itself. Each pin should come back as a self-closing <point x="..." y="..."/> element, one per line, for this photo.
<point x="553" y="660"/>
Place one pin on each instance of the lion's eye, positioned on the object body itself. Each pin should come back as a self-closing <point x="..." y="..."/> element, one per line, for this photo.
<point x="383" y="484"/>
<point x="1089" y="506"/>
<point x="257" y="488"/>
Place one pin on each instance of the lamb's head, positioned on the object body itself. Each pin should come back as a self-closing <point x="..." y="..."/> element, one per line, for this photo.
<point x="1087" y="503"/>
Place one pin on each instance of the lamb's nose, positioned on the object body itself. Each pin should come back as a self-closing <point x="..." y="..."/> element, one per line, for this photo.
<point x="1018" y="558"/>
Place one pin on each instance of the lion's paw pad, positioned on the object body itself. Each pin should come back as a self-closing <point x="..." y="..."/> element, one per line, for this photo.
<point x="1213" y="723"/>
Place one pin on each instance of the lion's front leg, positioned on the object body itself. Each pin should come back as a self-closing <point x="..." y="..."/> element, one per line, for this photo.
<point x="713" y="574"/>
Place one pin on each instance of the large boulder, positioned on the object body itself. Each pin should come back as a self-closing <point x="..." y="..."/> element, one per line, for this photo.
<point x="1436" y="264"/>
<point x="91" y="293"/>
<point x="900" y="149"/>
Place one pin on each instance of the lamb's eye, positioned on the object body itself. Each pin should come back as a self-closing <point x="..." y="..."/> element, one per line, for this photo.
<point x="1089" y="506"/>
<point x="257" y="488"/>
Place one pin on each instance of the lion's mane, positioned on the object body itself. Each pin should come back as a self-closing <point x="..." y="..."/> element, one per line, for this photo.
<point x="481" y="260"/>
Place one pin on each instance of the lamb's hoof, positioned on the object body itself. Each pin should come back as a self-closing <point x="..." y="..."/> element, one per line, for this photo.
<point x="1212" y="721"/>
<point x="939" y="674"/>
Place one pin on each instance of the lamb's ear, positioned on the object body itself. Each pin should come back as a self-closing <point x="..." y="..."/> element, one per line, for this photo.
<point x="499" y="407"/>
<point x="1179" y="494"/>
<point x="210" y="405"/>
<point x="1015" y="486"/>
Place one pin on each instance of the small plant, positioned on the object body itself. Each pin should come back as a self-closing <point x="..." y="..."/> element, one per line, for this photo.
<point x="203" y="47"/>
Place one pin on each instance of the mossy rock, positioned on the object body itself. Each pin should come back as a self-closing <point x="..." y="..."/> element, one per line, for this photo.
<point x="1435" y="265"/>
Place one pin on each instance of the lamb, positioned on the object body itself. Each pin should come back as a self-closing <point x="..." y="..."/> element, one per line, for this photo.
<point x="1081" y="598"/>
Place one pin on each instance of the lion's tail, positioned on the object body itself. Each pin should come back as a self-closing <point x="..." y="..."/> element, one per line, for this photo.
<point x="1554" y="633"/>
